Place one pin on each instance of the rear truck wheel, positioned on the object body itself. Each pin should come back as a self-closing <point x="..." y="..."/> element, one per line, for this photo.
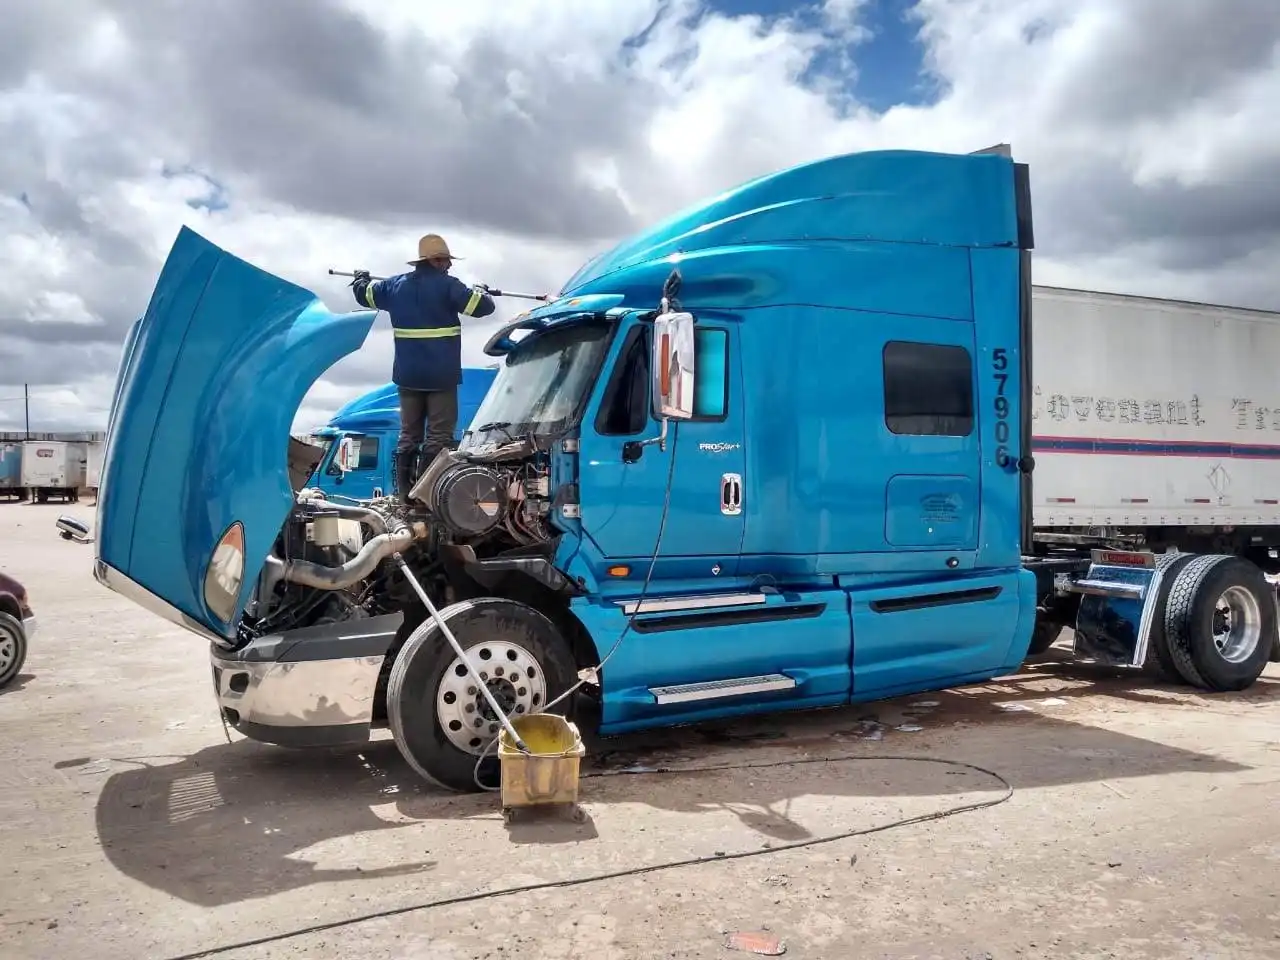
<point x="1043" y="634"/>
<point x="13" y="648"/>
<point x="1159" y="661"/>
<point x="439" y="719"/>
<point x="1220" y="622"/>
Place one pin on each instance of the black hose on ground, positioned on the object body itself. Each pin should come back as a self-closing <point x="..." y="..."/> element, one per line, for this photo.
<point x="654" y="867"/>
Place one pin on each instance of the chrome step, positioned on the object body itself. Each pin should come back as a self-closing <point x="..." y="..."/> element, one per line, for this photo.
<point x="715" y="689"/>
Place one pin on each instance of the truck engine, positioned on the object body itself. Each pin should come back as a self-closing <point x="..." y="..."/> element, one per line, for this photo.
<point x="332" y="560"/>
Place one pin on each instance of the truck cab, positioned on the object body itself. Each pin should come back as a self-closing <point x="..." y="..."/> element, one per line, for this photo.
<point x="770" y="454"/>
<point x="363" y="468"/>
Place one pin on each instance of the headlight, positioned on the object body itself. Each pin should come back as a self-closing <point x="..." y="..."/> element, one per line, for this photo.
<point x="225" y="574"/>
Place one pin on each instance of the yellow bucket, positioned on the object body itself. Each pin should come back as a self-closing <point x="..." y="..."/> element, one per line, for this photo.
<point x="548" y="774"/>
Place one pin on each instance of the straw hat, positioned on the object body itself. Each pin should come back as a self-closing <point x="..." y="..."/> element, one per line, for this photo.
<point x="433" y="247"/>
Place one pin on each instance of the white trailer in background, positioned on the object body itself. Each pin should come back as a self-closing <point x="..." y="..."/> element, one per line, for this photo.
<point x="93" y="464"/>
<point x="53" y="469"/>
<point x="1156" y="416"/>
<point x="1155" y="429"/>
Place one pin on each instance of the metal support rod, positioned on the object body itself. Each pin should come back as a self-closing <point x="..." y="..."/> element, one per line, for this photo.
<point x="462" y="655"/>
<point x="493" y="293"/>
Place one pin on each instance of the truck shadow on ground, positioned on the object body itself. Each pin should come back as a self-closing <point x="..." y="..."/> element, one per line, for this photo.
<point x="232" y="822"/>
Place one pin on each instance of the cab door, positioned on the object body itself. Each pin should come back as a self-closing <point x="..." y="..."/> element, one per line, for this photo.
<point x="622" y="503"/>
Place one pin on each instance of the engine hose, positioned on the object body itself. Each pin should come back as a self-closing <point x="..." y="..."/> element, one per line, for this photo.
<point x="593" y="878"/>
<point x="644" y="591"/>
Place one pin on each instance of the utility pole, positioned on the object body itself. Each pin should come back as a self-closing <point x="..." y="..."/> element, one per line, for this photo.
<point x="26" y="404"/>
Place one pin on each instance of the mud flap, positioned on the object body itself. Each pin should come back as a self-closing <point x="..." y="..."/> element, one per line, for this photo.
<point x="1119" y="597"/>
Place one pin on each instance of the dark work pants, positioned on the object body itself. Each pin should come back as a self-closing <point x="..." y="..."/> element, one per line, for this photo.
<point x="428" y="422"/>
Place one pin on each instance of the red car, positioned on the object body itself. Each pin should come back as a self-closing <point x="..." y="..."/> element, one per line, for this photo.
<point x="17" y="625"/>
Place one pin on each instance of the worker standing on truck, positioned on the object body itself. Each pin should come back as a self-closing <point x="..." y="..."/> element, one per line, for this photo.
<point x="424" y="305"/>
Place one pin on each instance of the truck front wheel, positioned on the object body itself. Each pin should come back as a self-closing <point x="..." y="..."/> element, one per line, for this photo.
<point x="440" y="720"/>
<point x="1220" y="622"/>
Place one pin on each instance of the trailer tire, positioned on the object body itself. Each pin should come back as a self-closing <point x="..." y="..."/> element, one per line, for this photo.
<point x="1214" y="648"/>
<point x="419" y="690"/>
<point x="1159" y="660"/>
<point x="13" y="648"/>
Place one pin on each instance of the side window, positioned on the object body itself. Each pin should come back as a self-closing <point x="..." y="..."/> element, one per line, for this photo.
<point x="624" y="408"/>
<point x="368" y="453"/>
<point x="928" y="389"/>
<point x="711" y="366"/>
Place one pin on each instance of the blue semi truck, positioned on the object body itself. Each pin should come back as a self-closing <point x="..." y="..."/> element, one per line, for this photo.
<point x="773" y="453"/>
<point x="358" y="443"/>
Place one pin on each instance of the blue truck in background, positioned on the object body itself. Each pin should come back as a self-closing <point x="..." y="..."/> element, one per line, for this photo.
<point x="772" y="453"/>
<point x="370" y="425"/>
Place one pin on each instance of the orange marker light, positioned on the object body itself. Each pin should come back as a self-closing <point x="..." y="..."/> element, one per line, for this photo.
<point x="619" y="571"/>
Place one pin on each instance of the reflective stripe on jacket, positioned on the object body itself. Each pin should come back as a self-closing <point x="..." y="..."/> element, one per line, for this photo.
<point x="424" y="305"/>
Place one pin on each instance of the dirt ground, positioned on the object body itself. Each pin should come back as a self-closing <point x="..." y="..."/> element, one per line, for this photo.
<point x="1144" y="822"/>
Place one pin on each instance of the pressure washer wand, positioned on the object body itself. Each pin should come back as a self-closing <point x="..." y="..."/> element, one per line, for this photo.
<point x="462" y="655"/>
<point x="493" y="293"/>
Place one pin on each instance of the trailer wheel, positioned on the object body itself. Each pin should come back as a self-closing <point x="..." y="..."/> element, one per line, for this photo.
<point x="1219" y="622"/>
<point x="1159" y="660"/>
<point x="439" y="719"/>
<point x="13" y="648"/>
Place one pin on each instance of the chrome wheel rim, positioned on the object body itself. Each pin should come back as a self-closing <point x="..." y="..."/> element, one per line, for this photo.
<point x="8" y="651"/>
<point x="1237" y="624"/>
<point x="513" y="676"/>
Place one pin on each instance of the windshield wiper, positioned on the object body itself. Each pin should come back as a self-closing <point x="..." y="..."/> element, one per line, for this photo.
<point x="502" y="425"/>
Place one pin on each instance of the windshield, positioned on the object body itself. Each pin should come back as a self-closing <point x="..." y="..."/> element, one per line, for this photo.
<point x="541" y="387"/>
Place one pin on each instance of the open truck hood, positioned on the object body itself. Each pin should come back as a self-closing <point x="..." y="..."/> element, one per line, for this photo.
<point x="209" y="382"/>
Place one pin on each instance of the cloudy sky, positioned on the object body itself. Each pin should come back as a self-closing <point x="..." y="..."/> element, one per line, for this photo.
<point x="308" y="134"/>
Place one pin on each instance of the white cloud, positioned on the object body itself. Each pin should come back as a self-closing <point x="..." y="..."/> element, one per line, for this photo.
<point x="535" y="134"/>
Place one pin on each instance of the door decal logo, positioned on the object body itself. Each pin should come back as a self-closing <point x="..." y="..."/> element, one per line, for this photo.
<point x="721" y="447"/>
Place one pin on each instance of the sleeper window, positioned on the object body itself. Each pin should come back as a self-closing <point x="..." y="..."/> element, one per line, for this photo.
<point x="928" y="389"/>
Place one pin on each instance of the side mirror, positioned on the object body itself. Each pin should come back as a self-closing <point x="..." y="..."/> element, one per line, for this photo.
<point x="673" y="366"/>
<point x="69" y="528"/>
<point x="347" y="456"/>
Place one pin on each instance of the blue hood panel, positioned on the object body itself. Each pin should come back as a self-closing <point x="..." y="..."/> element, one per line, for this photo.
<point x="209" y="383"/>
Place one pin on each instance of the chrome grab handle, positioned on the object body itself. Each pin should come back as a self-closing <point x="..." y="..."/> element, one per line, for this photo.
<point x="731" y="494"/>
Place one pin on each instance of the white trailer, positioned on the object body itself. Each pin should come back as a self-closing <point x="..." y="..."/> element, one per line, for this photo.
<point x="53" y="468"/>
<point x="1155" y="434"/>
<point x="1154" y="413"/>
<point x="93" y="464"/>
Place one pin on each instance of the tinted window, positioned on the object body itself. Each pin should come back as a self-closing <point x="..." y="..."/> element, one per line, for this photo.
<point x="711" y="369"/>
<point x="624" y="408"/>
<point x="928" y="389"/>
<point x="368" y="453"/>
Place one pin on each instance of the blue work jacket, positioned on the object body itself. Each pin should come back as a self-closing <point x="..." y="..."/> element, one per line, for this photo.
<point x="424" y="305"/>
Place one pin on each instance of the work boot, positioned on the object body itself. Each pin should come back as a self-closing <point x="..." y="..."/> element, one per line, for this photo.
<point x="405" y="475"/>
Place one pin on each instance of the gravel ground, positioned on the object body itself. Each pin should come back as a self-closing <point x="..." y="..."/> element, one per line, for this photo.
<point x="1143" y="822"/>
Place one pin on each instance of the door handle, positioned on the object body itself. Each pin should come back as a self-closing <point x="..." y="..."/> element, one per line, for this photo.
<point x="731" y="494"/>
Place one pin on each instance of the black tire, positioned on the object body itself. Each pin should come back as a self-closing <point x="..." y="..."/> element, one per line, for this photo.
<point x="13" y="648"/>
<point x="1043" y="635"/>
<point x="420" y="668"/>
<point x="1159" y="661"/>
<point x="1189" y="622"/>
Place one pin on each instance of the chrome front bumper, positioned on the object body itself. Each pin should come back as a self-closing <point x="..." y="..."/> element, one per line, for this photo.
<point x="305" y="688"/>
<point x="30" y="626"/>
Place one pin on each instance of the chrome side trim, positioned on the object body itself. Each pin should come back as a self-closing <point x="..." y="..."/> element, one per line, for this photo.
<point x="703" y="602"/>
<point x="117" y="582"/>
<point x="1104" y="588"/>
<point x="716" y="689"/>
